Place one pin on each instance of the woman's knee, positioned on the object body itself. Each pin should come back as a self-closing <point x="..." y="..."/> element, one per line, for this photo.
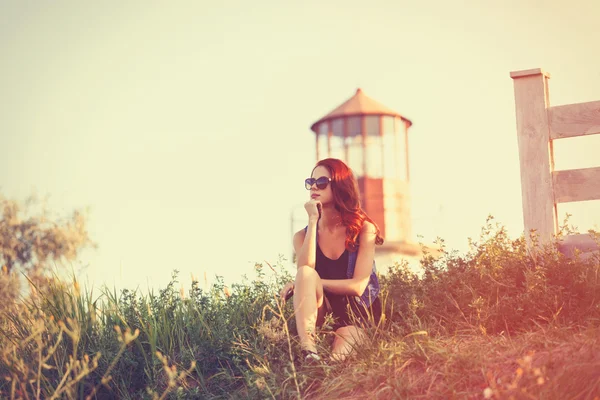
<point x="344" y="331"/>
<point x="350" y="333"/>
<point x="306" y="272"/>
<point x="347" y="339"/>
<point x="309" y="279"/>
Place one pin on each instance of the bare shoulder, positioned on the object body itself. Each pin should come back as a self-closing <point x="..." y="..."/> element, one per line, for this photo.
<point x="368" y="228"/>
<point x="298" y="239"/>
<point x="368" y="234"/>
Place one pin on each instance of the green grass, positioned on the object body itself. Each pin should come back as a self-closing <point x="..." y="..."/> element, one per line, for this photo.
<point x="493" y="322"/>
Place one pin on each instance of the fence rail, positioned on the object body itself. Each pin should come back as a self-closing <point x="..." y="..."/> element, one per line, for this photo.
<point x="542" y="188"/>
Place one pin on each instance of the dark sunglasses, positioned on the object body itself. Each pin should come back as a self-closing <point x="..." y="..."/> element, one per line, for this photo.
<point x="321" y="182"/>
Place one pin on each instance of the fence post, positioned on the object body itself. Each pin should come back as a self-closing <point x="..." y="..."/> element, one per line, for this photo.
<point x="535" y="153"/>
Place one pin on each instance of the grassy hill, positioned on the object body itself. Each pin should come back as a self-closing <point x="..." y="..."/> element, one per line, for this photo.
<point x="495" y="322"/>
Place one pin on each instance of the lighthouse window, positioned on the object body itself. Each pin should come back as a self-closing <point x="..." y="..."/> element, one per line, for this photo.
<point x="337" y="148"/>
<point x="337" y="126"/>
<point x="391" y="157"/>
<point x="374" y="159"/>
<point x="403" y="152"/>
<point x="354" y="126"/>
<point x="322" y="146"/>
<point x="401" y="149"/>
<point x="372" y="125"/>
<point x="388" y="125"/>
<point x="323" y="128"/>
<point x="355" y="154"/>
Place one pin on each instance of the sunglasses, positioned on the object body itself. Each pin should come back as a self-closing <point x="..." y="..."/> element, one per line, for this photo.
<point x="321" y="182"/>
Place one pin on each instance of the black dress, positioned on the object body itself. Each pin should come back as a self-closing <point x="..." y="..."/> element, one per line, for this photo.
<point x="346" y="310"/>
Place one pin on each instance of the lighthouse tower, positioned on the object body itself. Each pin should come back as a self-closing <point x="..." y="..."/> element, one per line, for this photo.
<point x="373" y="141"/>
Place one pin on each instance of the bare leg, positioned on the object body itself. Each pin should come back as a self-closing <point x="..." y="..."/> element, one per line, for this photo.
<point x="308" y="305"/>
<point x="346" y="339"/>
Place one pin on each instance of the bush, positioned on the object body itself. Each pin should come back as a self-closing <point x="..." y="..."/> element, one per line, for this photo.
<point x="497" y="286"/>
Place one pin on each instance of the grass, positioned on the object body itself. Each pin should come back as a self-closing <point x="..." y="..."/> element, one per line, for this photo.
<point x="492" y="323"/>
<point x="560" y="363"/>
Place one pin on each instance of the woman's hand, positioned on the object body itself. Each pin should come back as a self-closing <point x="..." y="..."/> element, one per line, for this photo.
<point x="313" y="208"/>
<point x="287" y="288"/>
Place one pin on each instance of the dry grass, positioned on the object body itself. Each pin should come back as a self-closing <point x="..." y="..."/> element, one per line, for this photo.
<point x="549" y="363"/>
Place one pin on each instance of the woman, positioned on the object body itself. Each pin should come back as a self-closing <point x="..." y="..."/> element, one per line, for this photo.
<point x="335" y="258"/>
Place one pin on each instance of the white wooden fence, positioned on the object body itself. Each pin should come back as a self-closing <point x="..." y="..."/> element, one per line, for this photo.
<point x="538" y="125"/>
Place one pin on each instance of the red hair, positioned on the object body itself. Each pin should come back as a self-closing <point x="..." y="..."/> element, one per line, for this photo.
<point x="346" y="199"/>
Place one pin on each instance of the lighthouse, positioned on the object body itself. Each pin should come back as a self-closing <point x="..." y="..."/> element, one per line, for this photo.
<point x="372" y="140"/>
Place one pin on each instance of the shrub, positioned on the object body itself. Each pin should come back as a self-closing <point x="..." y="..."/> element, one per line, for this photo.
<point x="497" y="286"/>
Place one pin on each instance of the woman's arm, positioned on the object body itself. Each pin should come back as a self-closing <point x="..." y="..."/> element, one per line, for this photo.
<point x="305" y="245"/>
<point x="362" y="271"/>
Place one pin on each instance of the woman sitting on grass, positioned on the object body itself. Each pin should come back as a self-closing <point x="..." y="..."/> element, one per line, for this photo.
<point x="336" y="267"/>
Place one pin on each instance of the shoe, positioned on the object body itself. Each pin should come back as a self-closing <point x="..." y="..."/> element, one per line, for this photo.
<point x="310" y="358"/>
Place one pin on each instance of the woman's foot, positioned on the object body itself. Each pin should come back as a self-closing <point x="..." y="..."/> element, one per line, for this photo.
<point x="310" y="357"/>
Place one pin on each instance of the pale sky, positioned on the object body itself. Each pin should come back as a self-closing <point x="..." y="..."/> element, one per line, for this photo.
<point x="184" y="126"/>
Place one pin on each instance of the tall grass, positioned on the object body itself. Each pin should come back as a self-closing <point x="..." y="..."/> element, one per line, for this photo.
<point x="492" y="323"/>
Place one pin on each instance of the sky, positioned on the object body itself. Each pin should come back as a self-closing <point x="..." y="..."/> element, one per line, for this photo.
<point x="182" y="128"/>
